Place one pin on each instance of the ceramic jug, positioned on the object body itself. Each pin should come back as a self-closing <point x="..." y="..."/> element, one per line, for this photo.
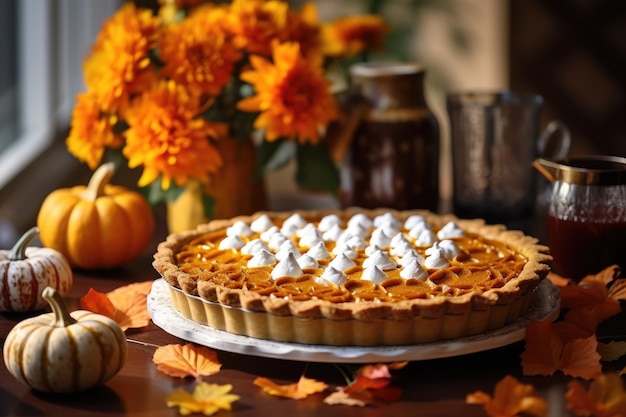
<point x="586" y="213"/>
<point x="388" y="139"/>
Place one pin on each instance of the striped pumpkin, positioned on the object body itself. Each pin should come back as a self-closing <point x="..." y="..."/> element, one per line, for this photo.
<point x="63" y="352"/>
<point x="25" y="271"/>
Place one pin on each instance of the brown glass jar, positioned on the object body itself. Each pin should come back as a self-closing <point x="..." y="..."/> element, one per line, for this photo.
<point x="393" y="160"/>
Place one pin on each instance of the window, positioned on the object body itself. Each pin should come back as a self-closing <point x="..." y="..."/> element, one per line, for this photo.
<point x="43" y="44"/>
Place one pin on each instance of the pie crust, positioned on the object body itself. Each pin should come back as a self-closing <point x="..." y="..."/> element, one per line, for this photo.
<point x="229" y="296"/>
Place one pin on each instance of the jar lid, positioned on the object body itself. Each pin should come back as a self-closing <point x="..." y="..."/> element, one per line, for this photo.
<point x="585" y="170"/>
<point x="384" y="69"/>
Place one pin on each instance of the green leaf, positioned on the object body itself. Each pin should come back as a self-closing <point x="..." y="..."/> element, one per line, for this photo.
<point x="274" y="155"/>
<point x="316" y="171"/>
<point x="156" y="194"/>
<point x="208" y="203"/>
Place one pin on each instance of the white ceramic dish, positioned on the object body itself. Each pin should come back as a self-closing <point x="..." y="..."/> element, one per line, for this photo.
<point x="544" y="307"/>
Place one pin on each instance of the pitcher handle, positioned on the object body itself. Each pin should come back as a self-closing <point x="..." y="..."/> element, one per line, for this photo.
<point x="558" y="130"/>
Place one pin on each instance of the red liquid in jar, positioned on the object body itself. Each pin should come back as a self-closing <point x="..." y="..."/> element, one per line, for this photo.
<point x="581" y="249"/>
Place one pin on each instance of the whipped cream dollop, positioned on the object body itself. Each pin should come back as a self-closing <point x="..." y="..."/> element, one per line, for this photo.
<point x="267" y="234"/>
<point x="410" y="256"/>
<point x="276" y="240"/>
<point x="436" y="260"/>
<point x="360" y="218"/>
<point x="319" y="251"/>
<point x="261" y="224"/>
<point x="262" y="258"/>
<point x="333" y="234"/>
<point x="254" y="246"/>
<point x="414" y="220"/>
<point x="346" y="250"/>
<point x="381" y="260"/>
<point x="342" y="262"/>
<point x="380" y="238"/>
<point x="307" y="261"/>
<point x="231" y="242"/>
<point x="328" y="221"/>
<point x="387" y="219"/>
<point x="374" y="273"/>
<point x="288" y="267"/>
<point x="448" y="247"/>
<point x="413" y="269"/>
<point x="426" y="238"/>
<point x="239" y="228"/>
<point x="286" y="248"/>
<point x="449" y="230"/>
<point x="333" y="276"/>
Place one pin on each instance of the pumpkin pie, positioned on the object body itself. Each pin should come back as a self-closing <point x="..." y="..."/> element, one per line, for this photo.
<point x="352" y="277"/>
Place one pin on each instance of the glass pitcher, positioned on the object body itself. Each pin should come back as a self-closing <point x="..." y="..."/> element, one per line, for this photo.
<point x="586" y="214"/>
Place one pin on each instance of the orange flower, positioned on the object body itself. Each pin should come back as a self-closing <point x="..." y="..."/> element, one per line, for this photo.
<point x="303" y="28"/>
<point x="257" y="23"/>
<point x="91" y="131"/>
<point x="167" y="139"/>
<point x="119" y="65"/>
<point x="352" y="35"/>
<point x="197" y="53"/>
<point x="292" y="95"/>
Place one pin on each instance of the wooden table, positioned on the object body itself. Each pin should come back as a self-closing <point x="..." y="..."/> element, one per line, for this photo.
<point x="430" y="388"/>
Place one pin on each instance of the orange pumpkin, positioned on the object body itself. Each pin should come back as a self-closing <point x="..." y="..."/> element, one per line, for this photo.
<point x="97" y="226"/>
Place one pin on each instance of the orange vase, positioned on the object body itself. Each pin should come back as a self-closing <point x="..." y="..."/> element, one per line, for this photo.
<point x="234" y="189"/>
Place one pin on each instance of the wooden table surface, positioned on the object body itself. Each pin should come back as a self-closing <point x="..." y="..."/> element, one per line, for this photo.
<point x="435" y="387"/>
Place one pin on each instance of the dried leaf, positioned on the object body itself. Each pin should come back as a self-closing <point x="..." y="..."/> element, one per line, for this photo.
<point x="546" y="352"/>
<point x="98" y="303"/>
<point x="612" y="351"/>
<point x="618" y="290"/>
<point x="340" y="397"/>
<point x="206" y="399"/>
<point x="510" y="398"/>
<point x="126" y="305"/>
<point x="605" y="398"/>
<point x="296" y="391"/>
<point x="188" y="360"/>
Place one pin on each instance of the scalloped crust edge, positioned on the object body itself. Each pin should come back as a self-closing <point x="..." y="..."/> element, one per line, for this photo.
<point x="353" y="323"/>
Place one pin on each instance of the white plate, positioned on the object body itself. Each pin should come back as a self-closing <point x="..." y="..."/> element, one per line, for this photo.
<point x="545" y="306"/>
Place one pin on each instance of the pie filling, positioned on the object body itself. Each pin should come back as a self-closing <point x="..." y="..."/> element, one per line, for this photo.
<point x="429" y="277"/>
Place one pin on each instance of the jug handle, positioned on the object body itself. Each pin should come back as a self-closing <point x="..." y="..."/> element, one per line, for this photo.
<point x="564" y="139"/>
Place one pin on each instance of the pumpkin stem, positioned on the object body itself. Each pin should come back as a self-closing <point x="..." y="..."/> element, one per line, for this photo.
<point x="98" y="181"/>
<point x="62" y="317"/>
<point x="18" y="251"/>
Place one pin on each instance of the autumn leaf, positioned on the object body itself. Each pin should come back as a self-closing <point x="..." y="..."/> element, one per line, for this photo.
<point x="510" y="398"/>
<point x="612" y="351"/>
<point x="605" y="398"/>
<point x="126" y="305"/>
<point x="98" y="303"/>
<point x="370" y="385"/>
<point x="546" y="352"/>
<point x="206" y="399"/>
<point x="186" y="360"/>
<point x="296" y="391"/>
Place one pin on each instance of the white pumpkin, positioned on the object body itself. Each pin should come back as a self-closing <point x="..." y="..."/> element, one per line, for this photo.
<point x="63" y="352"/>
<point x="25" y="271"/>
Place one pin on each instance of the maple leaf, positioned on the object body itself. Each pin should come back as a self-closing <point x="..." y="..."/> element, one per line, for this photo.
<point x="510" y="398"/>
<point x="126" y="305"/>
<point x="546" y="352"/>
<point x="605" y="398"/>
<point x="612" y="351"/>
<point x="206" y="399"/>
<point x="97" y="302"/>
<point x="186" y="360"/>
<point x="296" y="391"/>
<point x="370" y="385"/>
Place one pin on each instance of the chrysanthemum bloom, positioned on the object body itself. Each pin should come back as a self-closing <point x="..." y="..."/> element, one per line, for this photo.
<point x="168" y="139"/>
<point x="255" y="24"/>
<point x="197" y="53"/>
<point x="292" y="95"/>
<point x="119" y="65"/>
<point x="303" y="27"/>
<point x="91" y="131"/>
<point x="352" y="35"/>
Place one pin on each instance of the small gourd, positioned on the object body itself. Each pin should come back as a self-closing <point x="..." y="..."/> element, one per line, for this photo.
<point x="98" y="226"/>
<point x="63" y="352"/>
<point x="26" y="270"/>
